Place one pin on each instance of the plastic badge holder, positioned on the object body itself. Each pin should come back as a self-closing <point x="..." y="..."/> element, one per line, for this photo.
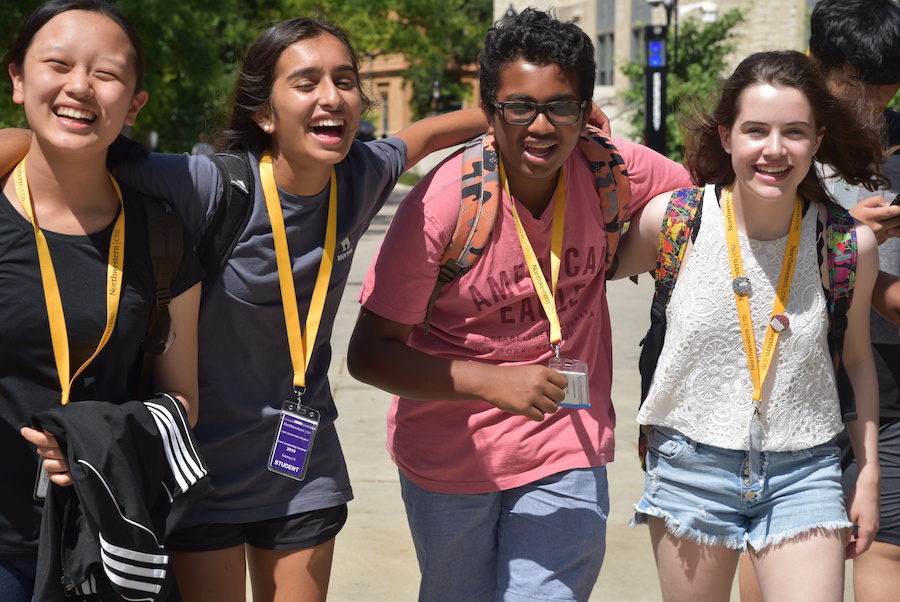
<point x="577" y="392"/>
<point x="296" y="432"/>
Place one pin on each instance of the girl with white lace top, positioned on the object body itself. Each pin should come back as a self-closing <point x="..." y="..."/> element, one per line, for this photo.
<point x="743" y="407"/>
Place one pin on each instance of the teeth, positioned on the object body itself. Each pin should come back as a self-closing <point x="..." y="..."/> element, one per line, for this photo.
<point x="773" y="170"/>
<point x="74" y="113"/>
<point x="539" y="145"/>
<point x="327" y="123"/>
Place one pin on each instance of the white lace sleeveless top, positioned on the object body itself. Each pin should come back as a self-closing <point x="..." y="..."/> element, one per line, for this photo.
<point x="702" y="384"/>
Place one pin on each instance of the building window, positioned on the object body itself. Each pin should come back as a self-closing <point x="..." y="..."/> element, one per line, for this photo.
<point x="606" y="27"/>
<point x="641" y="15"/>
<point x="605" y="59"/>
<point x="641" y="12"/>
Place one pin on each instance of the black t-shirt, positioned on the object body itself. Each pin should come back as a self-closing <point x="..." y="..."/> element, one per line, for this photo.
<point x="28" y="378"/>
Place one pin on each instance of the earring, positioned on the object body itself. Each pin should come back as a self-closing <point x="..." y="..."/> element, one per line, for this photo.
<point x="267" y="128"/>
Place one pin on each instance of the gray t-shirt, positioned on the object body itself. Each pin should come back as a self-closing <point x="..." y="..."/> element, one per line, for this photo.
<point x="245" y="368"/>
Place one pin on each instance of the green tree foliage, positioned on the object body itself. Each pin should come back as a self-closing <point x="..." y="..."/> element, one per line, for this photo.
<point x="11" y="16"/>
<point x="693" y="81"/>
<point x="194" y="48"/>
<point x="441" y="39"/>
<point x="192" y="51"/>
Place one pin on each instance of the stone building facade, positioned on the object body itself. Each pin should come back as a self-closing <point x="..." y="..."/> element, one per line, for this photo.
<point x="616" y="27"/>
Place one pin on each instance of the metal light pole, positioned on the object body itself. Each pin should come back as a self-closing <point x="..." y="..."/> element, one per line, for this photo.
<point x="656" y="68"/>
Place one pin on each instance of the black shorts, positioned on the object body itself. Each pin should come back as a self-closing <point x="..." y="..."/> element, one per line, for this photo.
<point x="295" y="532"/>
<point x="889" y="459"/>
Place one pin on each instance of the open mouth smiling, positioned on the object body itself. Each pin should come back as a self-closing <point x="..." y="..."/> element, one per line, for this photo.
<point x="78" y="115"/>
<point x="772" y="170"/>
<point x="539" y="149"/>
<point x="328" y="127"/>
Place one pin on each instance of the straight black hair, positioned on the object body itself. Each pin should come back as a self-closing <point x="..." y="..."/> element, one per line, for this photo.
<point x="46" y="11"/>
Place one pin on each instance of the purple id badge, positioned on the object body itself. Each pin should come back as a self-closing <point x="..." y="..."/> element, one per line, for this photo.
<point x="294" y="440"/>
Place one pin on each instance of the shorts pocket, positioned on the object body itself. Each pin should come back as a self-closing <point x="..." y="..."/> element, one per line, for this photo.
<point x="666" y="443"/>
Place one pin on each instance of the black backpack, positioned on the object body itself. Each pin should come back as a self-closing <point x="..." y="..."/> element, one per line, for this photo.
<point x="164" y="231"/>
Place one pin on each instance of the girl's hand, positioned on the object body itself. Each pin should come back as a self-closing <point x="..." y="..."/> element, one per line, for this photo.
<point x="863" y="509"/>
<point x="48" y="448"/>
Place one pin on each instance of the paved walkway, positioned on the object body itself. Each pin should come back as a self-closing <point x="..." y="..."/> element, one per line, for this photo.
<point x="375" y="560"/>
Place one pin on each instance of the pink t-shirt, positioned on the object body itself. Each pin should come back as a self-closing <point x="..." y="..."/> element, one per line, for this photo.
<point x="492" y="314"/>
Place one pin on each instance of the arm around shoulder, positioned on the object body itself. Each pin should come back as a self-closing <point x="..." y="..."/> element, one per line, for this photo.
<point x="638" y="248"/>
<point x="14" y="143"/>
<point x="441" y="131"/>
<point x="650" y="173"/>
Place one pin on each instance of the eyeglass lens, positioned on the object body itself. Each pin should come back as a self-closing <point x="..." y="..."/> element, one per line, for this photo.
<point x="559" y="113"/>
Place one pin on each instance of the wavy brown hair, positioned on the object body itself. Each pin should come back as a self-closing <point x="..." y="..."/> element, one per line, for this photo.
<point x="851" y="147"/>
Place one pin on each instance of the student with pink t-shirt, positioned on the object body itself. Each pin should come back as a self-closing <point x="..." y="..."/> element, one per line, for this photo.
<point x="505" y="490"/>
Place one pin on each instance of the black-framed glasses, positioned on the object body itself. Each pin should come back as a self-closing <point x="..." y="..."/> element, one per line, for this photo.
<point x="521" y="112"/>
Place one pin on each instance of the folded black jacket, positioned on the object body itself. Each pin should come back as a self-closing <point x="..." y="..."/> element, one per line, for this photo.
<point x="136" y="472"/>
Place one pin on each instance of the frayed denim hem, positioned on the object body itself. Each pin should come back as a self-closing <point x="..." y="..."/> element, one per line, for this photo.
<point x="777" y="538"/>
<point x="676" y="529"/>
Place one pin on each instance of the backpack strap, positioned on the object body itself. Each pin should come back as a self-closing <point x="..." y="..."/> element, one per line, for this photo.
<point x="479" y="200"/>
<point x="681" y="221"/>
<point x="481" y="194"/>
<point x="165" y="239"/>
<point x="611" y="180"/>
<point x="840" y="239"/>
<point x="231" y="216"/>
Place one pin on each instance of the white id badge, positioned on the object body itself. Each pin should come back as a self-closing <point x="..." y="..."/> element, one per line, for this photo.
<point x="577" y="394"/>
<point x="41" y="481"/>
<point x="294" y="440"/>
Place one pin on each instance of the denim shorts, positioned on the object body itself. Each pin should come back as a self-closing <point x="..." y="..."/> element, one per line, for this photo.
<point x="704" y="493"/>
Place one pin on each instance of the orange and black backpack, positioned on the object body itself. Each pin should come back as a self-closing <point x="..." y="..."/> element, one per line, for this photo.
<point x="481" y="195"/>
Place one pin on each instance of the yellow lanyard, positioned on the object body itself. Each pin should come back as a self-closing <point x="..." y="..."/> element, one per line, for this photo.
<point x="300" y="344"/>
<point x="759" y="367"/>
<point x="544" y="292"/>
<point x="114" y="274"/>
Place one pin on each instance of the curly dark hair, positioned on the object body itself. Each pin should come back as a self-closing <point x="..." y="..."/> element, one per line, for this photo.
<point x="852" y="147"/>
<point x="253" y="89"/>
<point x="539" y="38"/>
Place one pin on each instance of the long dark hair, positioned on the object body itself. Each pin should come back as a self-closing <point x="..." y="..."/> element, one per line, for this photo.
<point x="253" y="89"/>
<point x="851" y="147"/>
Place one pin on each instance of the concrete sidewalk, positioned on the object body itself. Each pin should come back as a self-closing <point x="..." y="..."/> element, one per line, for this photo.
<point x="375" y="559"/>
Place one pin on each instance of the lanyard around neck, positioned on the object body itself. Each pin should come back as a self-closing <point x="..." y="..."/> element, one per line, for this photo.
<point x="759" y="366"/>
<point x="300" y="344"/>
<point x="59" y="337"/>
<point x="544" y="292"/>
